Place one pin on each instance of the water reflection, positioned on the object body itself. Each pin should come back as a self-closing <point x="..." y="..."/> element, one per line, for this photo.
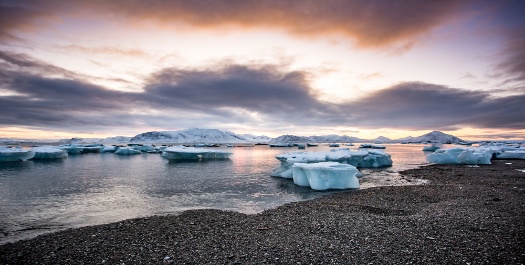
<point x="6" y="167"/>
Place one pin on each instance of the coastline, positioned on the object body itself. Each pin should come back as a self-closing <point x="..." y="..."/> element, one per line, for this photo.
<point x="463" y="215"/>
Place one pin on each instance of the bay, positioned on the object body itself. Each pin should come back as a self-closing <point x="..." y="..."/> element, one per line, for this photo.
<point x="37" y="197"/>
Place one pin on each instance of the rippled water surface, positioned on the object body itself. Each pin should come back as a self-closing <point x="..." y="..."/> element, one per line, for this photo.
<point x="38" y="197"/>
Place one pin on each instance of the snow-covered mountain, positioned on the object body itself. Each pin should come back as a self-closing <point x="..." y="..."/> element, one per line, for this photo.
<point x="382" y="139"/>
<point x="436" y="137"/>
<point x="76" y="140"/>
<point x="193" y="135"/>
<point x="116" y="140"/>
<point x="404" y="139"/>
<point x="196" y="135"/>
<point x="256" y="139"/>
<point x="332" y="138"/>
<point x="289" y="139"/>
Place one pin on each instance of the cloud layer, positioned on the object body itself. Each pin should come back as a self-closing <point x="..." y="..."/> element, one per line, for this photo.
<point x="255" y="95"/>
<point x="369" y="23"/>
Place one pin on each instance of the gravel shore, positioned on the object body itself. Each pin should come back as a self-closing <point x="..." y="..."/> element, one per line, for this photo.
<point x="464" y="215"/>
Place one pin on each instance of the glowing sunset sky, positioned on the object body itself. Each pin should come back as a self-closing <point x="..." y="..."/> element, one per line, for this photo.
<point x="360" y="68"/>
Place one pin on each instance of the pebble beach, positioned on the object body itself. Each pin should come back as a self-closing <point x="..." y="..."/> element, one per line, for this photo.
<point x="462" y="215"/>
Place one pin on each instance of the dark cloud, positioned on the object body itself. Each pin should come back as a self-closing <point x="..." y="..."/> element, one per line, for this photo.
<point x="370" y="23"/>
<point x="513" y="65"/>
<point x="16" y="16"/>
<point x="39" y="100"/>
<point x="262" y="89"/>
<point x="16" y="61"/>
<point x="230" y="93"/>
<point x="417" y="105"/>
<point x="497" y="136"/>
<point x="508" y="23"/>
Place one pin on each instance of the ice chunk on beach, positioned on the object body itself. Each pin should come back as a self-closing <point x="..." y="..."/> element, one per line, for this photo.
<point x="445" y="156"/>
<point x="192" y="153"/>
<point x="362" y="158"/>
<point x="127" y="151"/>
<point x="511" y="155"/>
<point x="8" y="154"/>
<point x="475" y="158"/>
<point x="325" y="175"/>
<point x="470" y="156"/>
<point x="49" y="152"/>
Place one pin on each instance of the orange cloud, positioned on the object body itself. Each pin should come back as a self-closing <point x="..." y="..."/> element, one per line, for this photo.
<point x="369" y="23"/>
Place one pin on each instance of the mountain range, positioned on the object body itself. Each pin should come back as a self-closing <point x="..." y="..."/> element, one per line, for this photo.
<point x="215" y="136"/>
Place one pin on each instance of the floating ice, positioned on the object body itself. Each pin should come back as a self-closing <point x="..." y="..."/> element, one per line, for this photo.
<point x="109" y="149"/>
<point x="192" y="153"/>
<point x="145" y="148"/>
<point x="8" y="154"/>
<point x="127" y="151"/>
<point x="282" y="145"/>
<point x="431" y="148"/>
<point x="361" y="158"/>
<point x="72" y="148"/>
<point x="325" y="175"/>
<point x="48" y="152"/>
<point x="91" y="148"/>
<point x="78" y="149"/>
<point x="373" y="146"/>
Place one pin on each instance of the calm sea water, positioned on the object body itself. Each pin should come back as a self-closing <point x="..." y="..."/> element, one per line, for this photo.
<point x="88" y="189"/>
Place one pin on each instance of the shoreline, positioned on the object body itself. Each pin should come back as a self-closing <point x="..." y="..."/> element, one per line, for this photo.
<point x="463" y="215"/>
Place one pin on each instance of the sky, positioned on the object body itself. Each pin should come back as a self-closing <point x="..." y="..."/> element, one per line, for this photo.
<point x="363" y="68"/>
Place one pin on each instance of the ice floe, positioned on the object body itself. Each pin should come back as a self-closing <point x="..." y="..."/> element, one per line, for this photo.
<point x="80" y="149"/>
<point x="109" y="149"/>
<point x="72" y="148"/>
<point x="373" y="146"/>
<point x="8" y="154"/>
<point x="126" y="151"/>
<point x="192" y="153"/>
<point x="431" y="148"/>
<point x="48" y="152"/>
